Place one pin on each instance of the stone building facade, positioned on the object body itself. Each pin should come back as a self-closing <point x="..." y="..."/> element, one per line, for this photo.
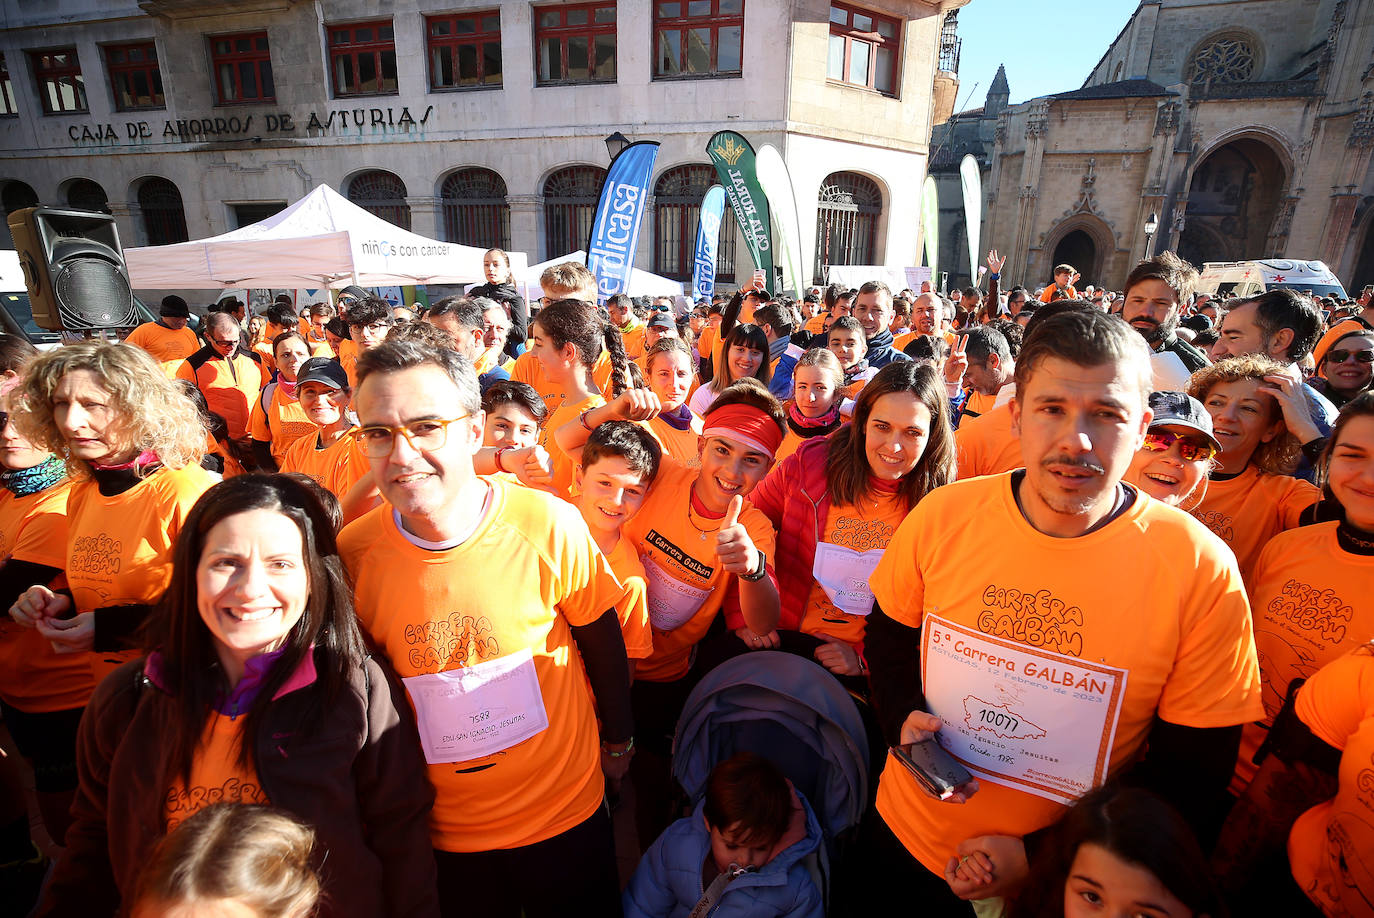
<point x="476" y="122"/>
<point x="1245" y="127"/>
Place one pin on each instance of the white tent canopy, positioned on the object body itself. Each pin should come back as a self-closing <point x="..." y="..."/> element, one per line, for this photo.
<point x="322" y="240"/>
<point x="642" y="283"/>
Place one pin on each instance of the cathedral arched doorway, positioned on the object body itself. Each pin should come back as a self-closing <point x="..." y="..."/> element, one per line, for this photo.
<point x="1364" y="261"/>
<point x="1077" y="248"/>
<point x="1232" y="200"/>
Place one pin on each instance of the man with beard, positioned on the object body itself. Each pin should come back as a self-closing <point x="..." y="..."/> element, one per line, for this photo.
<point x="1155" y="292"/>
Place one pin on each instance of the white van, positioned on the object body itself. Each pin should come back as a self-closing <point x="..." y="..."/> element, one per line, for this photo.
<point x="16" y="315"/>
<point x="1225" y="279"/>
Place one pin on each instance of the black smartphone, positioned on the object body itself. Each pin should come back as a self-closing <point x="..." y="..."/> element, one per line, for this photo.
<point x="934" y="769"/>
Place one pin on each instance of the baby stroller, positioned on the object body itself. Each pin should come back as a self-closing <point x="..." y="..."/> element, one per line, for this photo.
<point x="793" y="712"/>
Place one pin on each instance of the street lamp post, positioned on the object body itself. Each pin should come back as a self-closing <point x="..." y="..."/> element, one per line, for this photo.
<point x="1151" y="225"/>
<point x="615" y="143"/>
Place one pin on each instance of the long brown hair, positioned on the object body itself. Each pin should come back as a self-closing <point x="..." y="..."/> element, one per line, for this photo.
<point x="570" y="321"/>
<point x="846" y="461"/>
<point x="190" y="668"/>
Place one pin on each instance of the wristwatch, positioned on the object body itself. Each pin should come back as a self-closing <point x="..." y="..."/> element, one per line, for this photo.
<point x="759" y="574"/>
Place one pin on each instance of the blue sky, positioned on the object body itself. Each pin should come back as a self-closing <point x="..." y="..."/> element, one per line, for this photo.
<point x="1027" y="36"/>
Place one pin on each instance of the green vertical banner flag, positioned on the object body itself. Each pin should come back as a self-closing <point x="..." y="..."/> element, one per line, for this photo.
<point x="930" y="223"/>
<point x="733" y="158"/>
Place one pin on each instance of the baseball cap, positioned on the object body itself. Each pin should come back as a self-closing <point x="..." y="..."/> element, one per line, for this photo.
<point x="174" y="306"/>
<point x="322" y="370"/>
<point x="661" y="320"/>
<point x="1178" y="409"/>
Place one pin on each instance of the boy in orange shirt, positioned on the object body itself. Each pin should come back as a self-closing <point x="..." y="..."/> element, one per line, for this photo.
<point x="1063" y="287"/>
<point x="616" y="468"/>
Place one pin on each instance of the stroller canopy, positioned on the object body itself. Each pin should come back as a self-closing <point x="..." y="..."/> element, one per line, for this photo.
<point x="789" y="710"/>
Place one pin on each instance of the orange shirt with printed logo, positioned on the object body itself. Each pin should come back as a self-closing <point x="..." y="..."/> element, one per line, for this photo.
<point x="634" y="607"/>
<point x="1312" y="602"/>
<point x="529" y="572"/>
<point x="1186" y="643"/>
<point x="686" y="582"/>
<point x="859" y="528"/>
<point x="1250" y="509"/>
<point x="33" y="678"/>
<point x="217" y="775"/>
<point x="987" y="444"/>
<point x="119" y="548"/>
<point x="1331" y="846"/>
<point x="336" y="467"/>
<point x="282" y="422"/>
<point x="528" y="369"/>
<point x="169" y="346"/>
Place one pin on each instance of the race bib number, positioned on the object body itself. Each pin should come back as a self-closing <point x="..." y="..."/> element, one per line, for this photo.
<point x="1037" y="721"/>
<point x="671" y="602"/>
<point x="476" y="711"/>
<point x="843" y="573"/>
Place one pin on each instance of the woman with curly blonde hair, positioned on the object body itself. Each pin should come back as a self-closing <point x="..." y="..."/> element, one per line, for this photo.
<point x="132" y="443"/>
<point x="1251" y="493"/>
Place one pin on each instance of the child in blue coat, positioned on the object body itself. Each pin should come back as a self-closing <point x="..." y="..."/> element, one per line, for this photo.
<point x="744" y="844"/>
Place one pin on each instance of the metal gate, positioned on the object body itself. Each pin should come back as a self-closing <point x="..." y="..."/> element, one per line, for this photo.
<point x="475" y="209"/>
<point x="569" y="207"/>
<point x="846" y="222"/>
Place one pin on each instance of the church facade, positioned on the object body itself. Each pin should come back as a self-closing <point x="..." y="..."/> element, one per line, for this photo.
<point x="1243" y="128"/>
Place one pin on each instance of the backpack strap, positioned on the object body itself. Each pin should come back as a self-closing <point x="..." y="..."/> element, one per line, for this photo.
<point x="266" y="400"/>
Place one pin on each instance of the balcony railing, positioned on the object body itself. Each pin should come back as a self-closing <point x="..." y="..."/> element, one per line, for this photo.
<point x="949" y="54"/>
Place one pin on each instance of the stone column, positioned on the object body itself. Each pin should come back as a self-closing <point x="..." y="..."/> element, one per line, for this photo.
<point x="424" y="216"/>
<point x="129" y="221"/>
<point x="1036" y="127"/>
<point x="525" y="219"/>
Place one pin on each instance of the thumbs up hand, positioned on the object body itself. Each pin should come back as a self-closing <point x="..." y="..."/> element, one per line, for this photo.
<point x="734" y="548"/>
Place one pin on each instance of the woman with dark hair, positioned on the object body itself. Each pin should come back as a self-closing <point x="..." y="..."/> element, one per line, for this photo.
<point x="567" y="338"/>
<point x="258" y="690"/>
<point x="1118" y="851"/>
<point x="835" y="503"/>
<point x="277" y="419"/>
<point x="744" y="354"/>
<point x="500" y="286"/>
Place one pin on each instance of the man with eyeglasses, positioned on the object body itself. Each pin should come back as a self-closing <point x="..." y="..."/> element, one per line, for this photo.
<point x="230" y="377"/>
<point x="494" y="605"/>
<point x="369" y="320"/>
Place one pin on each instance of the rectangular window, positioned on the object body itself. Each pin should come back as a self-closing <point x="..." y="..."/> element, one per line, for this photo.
<point x="243" y="68"/>
<point x="575" y="44"/>
<point x="7" y="106"/>
<point x="60" y="85"/>
<point x="863" y="49"/>
<point x="134" y="76"/>
<point x="698" y="37"/>
<point x="464" y="51"/>
<point x="362" y="57"/>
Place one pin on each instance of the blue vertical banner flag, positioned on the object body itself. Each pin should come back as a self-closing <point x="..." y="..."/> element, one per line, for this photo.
<point x="619" y="212"/>
<point x="708" y="238"/>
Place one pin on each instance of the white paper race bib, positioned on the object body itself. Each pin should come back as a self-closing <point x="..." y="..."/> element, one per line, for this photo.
<point x="474" y="711"/>
<point x="1038" y="721"/>
<point x="671" y="602"/>
<point x="843" y="573"/>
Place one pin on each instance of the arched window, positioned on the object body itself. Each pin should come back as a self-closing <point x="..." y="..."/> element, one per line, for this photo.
<point x="84" y="194"/>
<point x="569" y="208"/>
<point x="846" y="222"/>
<point x="1225" y="59"/>
<point x="17" y="196"/>
<point x="677" y="211"/>
<point x="475" y="209"/>
<point x="381" y="194"/>
<point x="164" y="219"/>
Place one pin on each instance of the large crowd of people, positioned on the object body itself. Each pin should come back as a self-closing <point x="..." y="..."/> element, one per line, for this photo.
<point x="354" y="609"/>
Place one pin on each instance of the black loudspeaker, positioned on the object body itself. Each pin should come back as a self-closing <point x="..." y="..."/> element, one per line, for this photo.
<point x="74" y="269"/>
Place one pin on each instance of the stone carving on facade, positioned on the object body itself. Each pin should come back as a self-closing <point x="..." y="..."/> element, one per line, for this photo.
<point x="1225" y="59"/>
<point x="1039" y="119"/>
<point x="1087" y="201"/>
<point x="1362" y="131"/>
<point x="1166" y="117"/>
<point x="999" y="136"/>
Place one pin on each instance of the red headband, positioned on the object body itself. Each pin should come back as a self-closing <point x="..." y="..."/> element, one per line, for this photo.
<point x="744" y="424"/>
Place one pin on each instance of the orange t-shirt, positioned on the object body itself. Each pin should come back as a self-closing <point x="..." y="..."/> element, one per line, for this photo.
<point x="217" y="776"/>
<point x="979" y="404"/>
<point x="686" y="583"/>
<point x="337" y="467"/>
<point x="528" y="369"/>
<point x="167" y="345"/>
<point x="1250" y="509"/>
<point x="563" y="464"/>
<point x="863" y="528"/>
<point x="230" y="387"/>
<point x="1331" y="846"/>
<point x="987" y="444"/>
<point x="634" y="342"/>
<point x="1312" y="602"/>
<point x="816" y="324"/>
<point x="514" y="586"/>
<point x="269" y="362"/>
<point x="706" y="341"/>
<point x="1047" y="295"/>
<point x="1185" y="647"/>
<point x="33" y="678"/>
<point x="634" y="607"/>
<point x="348" y="359"/>
<point x="281" y="423"/>
<point x="119" y="549"/>
<point x="682" y="445"/>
